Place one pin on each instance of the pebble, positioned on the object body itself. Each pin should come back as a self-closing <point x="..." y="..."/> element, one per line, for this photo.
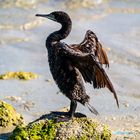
<point x="113" y="118"/>
<point x="13" y="98"/>
<point x="126" y="104"/>
<point x="137" y="125"/>
<point x="49" y="81"/>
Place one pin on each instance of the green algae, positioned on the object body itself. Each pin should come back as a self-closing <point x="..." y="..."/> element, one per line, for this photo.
<point x="45" y="130"/>
<point x="77" y="128"/>
<point x="18" y="75"/>
<point x="8" y="115"/>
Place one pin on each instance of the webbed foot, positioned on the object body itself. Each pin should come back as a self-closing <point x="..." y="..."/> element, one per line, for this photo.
<point x="62" y="119"/>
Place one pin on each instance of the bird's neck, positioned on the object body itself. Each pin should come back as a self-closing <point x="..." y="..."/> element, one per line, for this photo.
<point x="62" y="33"/>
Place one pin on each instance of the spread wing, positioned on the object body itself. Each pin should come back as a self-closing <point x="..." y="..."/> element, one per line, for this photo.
<point x="91" y="70"/>
<point x="91" y="44"/>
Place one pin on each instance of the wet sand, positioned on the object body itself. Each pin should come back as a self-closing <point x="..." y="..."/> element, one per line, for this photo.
<point x="22" y="47"/>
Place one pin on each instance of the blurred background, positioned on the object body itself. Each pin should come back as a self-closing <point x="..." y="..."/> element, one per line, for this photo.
<point x="22" y="48"/>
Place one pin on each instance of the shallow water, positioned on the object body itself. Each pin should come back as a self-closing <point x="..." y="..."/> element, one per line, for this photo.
<point x="116" y="23"/>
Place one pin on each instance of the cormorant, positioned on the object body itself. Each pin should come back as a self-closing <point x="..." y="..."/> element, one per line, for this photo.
<point x="70" y="64"/>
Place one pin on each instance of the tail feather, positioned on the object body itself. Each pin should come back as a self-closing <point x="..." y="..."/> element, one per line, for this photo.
<point x="92" y="109"/>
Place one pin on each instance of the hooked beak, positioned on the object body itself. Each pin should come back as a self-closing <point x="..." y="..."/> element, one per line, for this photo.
<point x="49" y="16"/>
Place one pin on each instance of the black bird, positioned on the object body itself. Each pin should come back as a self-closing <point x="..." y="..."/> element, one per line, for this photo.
<point x="70" y="63"/>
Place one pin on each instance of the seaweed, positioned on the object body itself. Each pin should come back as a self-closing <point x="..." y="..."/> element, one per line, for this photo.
<point x="18" y="75"/>
<point x="6" y="115"/>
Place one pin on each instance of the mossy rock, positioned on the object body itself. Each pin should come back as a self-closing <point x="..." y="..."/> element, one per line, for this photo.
<point x="9" y="116"/>
<point x="77" y="128"/>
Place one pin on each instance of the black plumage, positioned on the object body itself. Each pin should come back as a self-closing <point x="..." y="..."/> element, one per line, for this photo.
<point x="69" y="63"/>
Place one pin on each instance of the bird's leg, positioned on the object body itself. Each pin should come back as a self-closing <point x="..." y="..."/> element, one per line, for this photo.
<point x="73" y="106"/>
<point x="68" y="115"/>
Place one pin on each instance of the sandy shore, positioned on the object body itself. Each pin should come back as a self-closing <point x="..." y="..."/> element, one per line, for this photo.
<point x="22" y="48"/>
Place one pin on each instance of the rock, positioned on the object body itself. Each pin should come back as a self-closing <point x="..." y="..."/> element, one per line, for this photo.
<point x="113" y="118"/>
<point x="49" y="81"/>
<point x="9" y="116"/>
<point x="13" y="98"/>
<point x="137" y="125"/>
<point x="126" y="104"/>
<point x="49" y="129"/>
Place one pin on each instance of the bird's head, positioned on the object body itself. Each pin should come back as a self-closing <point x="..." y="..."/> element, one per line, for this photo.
<point x="58" y="16"/>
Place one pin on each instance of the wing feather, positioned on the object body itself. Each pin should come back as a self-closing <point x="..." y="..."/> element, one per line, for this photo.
<point x="91" y="44"/>
<point x="102" y="56"/>
<point x="93" y="73"/>
<point x="91" y="69"/>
